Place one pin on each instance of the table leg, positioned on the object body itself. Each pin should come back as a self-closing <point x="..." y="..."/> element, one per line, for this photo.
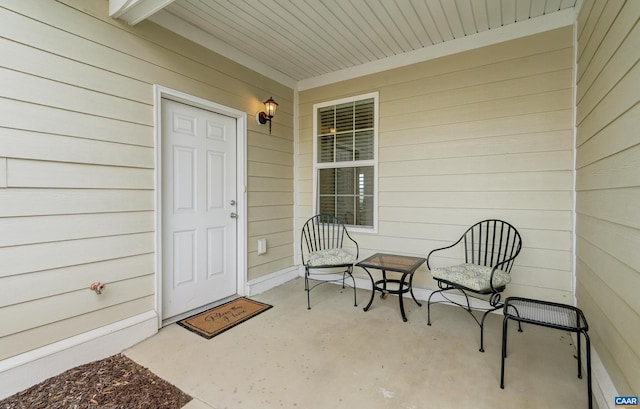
<point x="411" y="290"/>
<point x="400" y="297"/>
<point x="588" y="347"/>
<point x="579" y="353"/>
<point x="383" y="292"/>
<point x="504" y="350"/>
<point x="373" y="289"/>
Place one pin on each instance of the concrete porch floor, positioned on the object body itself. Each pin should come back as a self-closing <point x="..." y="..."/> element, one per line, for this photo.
<point x="338" y="356"/>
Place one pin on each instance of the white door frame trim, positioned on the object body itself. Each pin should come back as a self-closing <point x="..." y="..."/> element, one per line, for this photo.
<point x="241" y="163"/>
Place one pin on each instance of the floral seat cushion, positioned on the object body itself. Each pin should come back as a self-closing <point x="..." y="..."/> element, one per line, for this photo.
<point x="472" y="276"/>
<point x="330" y="257"/>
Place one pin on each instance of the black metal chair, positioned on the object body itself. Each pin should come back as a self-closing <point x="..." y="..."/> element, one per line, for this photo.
<point x="322" y="241"/>
<point x="490" y="248"/>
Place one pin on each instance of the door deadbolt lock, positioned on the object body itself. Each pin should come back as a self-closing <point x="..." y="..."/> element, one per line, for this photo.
<point x="232" y="202"/>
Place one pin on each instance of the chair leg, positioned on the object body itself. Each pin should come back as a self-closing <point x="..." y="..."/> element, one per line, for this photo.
<point x="482" y="326"/>
<point x="467" y="307"/>
<point x="482" y="330"/>
<point x="306" y="287"/>
<point x="353" y="279"/>
<point x="429" y="306"/>
<point x="429" y="302"/>
<point x="349" y="271"/>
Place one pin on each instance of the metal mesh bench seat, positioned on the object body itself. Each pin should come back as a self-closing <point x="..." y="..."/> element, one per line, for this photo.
<point x="552" y="315"/>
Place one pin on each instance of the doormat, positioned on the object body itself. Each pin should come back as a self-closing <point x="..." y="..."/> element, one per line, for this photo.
<point x="217" y="320"/>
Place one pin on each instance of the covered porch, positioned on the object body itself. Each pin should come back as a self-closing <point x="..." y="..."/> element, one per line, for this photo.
<point x="338" y="356"/>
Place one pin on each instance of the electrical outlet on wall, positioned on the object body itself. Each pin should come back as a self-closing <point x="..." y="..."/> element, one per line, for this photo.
<point x="262" y="246"/>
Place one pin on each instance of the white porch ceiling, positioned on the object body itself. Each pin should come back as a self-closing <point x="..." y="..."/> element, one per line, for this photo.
<point x="297" y="41"/>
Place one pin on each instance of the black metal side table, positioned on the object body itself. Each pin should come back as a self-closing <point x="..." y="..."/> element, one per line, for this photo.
<point x="406" y="265"/>
<point x="552" y="315"/>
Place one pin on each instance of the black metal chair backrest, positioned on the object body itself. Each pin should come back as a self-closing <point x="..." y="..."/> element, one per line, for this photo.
<point x="492" y="243"/>
<point x="322" y="232"/>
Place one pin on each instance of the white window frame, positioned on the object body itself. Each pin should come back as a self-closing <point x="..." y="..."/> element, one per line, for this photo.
<point x="372" y="162"/>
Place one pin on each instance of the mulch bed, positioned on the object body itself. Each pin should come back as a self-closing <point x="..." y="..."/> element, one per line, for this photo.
<point x="111" y="383"/>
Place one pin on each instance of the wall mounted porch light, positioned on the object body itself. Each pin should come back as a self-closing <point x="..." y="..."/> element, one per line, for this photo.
<point x="269" y="112"/>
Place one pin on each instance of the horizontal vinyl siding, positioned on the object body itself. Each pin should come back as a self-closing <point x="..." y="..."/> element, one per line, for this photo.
<point x="77" y="164"/>
<point x="482" y="134"/>
<point x="270" y="198"/>
<point x="89" y="319"/>
<point x="608" y="185"/>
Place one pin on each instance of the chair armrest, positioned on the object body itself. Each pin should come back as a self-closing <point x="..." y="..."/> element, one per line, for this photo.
<point x="355" y="243"/>
<point x="493" y="270"/>
<point x="439" y="249"/>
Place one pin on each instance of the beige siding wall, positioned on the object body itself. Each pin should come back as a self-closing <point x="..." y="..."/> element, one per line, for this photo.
<point x="608" y="184"/>
<point x="481" y="134"/>
<point x="77" y="164"/>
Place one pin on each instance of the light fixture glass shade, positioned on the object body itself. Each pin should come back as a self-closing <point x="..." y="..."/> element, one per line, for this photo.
<point x="270" y="107"/>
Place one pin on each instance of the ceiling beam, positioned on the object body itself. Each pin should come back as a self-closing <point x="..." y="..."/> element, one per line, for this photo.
<point x="134" y="11"/>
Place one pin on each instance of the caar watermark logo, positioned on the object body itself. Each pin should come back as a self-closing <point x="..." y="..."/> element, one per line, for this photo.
<point x="626" y="401"/>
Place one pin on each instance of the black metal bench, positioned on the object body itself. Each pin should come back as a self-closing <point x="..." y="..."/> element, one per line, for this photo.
<point x="551" y="315"/>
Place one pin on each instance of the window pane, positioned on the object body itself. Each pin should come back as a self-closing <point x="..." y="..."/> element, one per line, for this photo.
<point x="365" y="180"/>
<point x="325" y="148"/>
<point x="345" y="209"/>
<point x="364" y="114"/>
<point x="327" y="181"/>
<point x="365" y="211"/>
<point x="326" y="120"/>
<point x="344" y="117"/>
<point x="364" y="145"/>
<point x="345" y="181"/>
<point x="344" y="147"/>
<point x="327" y="205"/>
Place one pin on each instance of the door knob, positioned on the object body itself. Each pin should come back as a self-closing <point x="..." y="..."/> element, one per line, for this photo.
<point x="234" y="215"/>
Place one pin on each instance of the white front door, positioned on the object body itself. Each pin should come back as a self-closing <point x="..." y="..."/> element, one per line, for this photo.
<point x="198" y="207"/>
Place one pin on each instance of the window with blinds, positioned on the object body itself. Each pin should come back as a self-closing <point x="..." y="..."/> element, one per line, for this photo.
<point x="345" y="159"/>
